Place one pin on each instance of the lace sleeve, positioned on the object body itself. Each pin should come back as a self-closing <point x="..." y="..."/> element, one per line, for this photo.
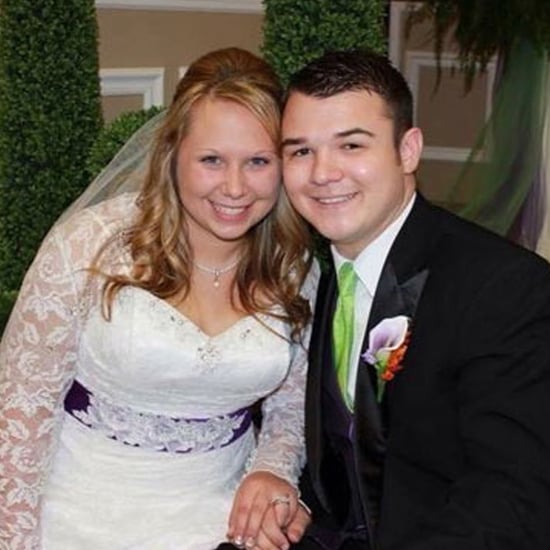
<point x="281" y="445"/>
<point x="37" y="361"/>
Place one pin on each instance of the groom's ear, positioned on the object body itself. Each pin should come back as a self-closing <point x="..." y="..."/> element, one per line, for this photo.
<point x="410" y="149"/>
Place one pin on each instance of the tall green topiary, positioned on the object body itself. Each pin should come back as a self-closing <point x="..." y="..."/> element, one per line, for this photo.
<point x="50" y="114"/>
<point x="296" y="31"/>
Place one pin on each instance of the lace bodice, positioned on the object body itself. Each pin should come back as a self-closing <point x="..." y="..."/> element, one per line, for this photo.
<point x="56" y="334"/>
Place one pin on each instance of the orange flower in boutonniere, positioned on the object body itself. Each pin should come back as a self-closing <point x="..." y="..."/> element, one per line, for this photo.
<point x="388" y="343"/>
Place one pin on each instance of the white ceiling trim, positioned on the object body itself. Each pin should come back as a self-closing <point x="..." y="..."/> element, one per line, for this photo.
<point x="236" y="6"/>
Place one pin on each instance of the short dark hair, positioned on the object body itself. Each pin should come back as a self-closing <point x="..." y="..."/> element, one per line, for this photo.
<point x="355" y="70"/>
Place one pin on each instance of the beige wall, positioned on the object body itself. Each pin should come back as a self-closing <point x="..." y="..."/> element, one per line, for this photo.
<point x="450" y="118"/>
<point x="166" y="40"/>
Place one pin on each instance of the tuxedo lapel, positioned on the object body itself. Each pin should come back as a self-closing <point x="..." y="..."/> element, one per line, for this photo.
<point x="393" y="298"/>
<point x="406" y="269"/>
<point x="369" y="428"/>
<point x="398" y="292"/>
<point x="320" y="358"/>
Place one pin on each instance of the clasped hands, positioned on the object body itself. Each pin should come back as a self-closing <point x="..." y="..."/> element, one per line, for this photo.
<point x="266" y="514"/>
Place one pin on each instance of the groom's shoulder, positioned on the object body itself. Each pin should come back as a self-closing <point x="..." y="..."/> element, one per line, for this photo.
<point x="476" y="247"/>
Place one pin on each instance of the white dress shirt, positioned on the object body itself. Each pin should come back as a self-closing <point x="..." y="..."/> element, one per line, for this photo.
<point x="368" y="266"/>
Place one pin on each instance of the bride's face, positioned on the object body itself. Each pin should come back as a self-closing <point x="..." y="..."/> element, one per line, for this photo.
<point x="228" y="172"/>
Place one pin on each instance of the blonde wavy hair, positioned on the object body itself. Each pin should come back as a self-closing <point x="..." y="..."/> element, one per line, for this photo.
<point x="276" y="257"/>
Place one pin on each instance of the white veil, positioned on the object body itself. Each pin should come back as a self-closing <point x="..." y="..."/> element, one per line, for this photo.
<point x="124" y="173"/>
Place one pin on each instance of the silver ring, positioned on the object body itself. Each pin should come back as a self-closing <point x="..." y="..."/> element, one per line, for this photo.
<point x="280" y="499"/>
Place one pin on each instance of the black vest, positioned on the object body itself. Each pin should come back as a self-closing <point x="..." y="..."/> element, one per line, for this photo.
<point x="341" y="481"/>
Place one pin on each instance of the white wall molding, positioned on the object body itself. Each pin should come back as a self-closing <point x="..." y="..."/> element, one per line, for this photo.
<point x="450" y="154"/>
<point x="398" y="10"/>
<point x="414" y="61"/>
<point x="230" y="6"/>
<point x="147" y="82"/>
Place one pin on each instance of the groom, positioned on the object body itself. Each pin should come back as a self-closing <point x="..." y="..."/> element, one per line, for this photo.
<point x="428" y="399"/>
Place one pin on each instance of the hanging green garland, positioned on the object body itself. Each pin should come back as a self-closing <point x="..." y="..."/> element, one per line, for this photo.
<point x="484" y="28"/>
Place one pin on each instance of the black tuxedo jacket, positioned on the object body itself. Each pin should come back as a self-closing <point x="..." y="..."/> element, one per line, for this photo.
<point x="457" y="455"/>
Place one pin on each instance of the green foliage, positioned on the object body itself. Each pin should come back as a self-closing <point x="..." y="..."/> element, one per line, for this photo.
<point x="50" y="114"/>
<point x="483" y="29"/>
<point x="114" y="135"/>
<point x="296" y="31"/>
<point x="7" y="300"/>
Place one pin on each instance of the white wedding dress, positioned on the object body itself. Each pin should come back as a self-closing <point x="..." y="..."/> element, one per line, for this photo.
<point x="133" y="433"/>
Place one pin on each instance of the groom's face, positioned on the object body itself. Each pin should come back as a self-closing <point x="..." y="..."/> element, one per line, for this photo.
<point x="341" y="168"/>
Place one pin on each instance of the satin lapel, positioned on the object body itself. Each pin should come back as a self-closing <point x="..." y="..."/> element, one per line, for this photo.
<point x="370" y="433"/>
<point x="391" y="299"/>
<point x="394" y="299"/>
<point x="398" y="293"/>
<point x="406" y="269"/>
<point x="320" y="358"/>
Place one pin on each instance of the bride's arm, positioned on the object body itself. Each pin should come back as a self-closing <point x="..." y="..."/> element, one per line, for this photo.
<point x="37" y="364"/>
<point x="281" y="446"/>
<point x="280" y="454"/>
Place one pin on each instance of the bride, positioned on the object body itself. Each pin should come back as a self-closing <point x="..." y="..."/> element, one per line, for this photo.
<point x="146" y="329"/>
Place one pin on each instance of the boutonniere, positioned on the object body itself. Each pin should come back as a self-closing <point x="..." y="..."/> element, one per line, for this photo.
<point x="388" y="342"/>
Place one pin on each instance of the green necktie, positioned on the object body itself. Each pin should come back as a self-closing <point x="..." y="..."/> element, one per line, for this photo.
<point x="343" y="326"/>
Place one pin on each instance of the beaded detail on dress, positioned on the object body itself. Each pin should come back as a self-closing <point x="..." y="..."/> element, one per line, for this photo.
<point x="154" y="431"/>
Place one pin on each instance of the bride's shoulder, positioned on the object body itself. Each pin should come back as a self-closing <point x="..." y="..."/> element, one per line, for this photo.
<point x="103" y="219"/>
<point x="80" y="237"/>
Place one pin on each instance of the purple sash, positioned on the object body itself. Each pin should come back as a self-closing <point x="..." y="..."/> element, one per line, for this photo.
<point x="155" y="432"/>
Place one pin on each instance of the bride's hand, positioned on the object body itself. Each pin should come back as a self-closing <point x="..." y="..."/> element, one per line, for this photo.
<point x="258" y="494"/>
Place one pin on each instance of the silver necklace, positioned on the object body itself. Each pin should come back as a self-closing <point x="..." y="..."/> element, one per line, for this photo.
<point x="216" y="271"/>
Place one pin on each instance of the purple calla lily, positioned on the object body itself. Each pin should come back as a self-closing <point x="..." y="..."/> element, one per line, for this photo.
<point x="385" y="338"/>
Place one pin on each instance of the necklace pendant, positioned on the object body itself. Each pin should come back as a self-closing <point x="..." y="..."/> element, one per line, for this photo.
<point x="217" y="273"/>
